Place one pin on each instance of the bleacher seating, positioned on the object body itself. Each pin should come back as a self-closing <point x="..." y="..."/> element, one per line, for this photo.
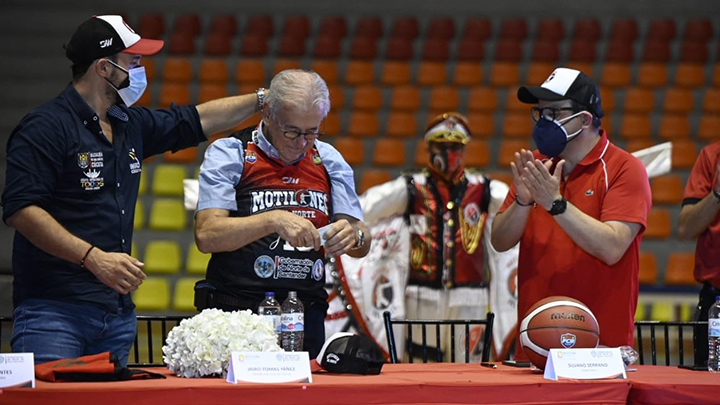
<point x="388" y="74"/>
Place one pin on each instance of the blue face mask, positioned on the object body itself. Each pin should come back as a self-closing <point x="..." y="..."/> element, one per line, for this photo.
<point x="550" y="135"/>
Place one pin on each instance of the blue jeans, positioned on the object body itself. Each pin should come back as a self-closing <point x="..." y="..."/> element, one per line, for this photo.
<point x="54" y="330"/>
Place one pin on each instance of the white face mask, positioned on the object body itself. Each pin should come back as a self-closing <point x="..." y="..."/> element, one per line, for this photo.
<point x="132" y="88"/>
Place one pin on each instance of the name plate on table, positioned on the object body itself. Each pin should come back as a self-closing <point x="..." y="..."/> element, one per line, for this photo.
<point x="269" y="367"/>
<point x="17" y="370"/>
<point x="585" y="364"/>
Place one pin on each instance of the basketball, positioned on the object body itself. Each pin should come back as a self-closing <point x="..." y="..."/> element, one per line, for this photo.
<point x="557" y="323"/>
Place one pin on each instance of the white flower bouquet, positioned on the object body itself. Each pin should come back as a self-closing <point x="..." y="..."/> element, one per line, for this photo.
<point x="201" y="345"/>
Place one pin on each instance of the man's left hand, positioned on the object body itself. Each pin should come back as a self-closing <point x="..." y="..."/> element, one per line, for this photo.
<point x="544" y="187"/>
<point x="340" y="238"/>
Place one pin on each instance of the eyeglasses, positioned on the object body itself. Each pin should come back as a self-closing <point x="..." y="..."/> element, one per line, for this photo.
<point x="293" y="134"/>
<point x="549" y="113"/>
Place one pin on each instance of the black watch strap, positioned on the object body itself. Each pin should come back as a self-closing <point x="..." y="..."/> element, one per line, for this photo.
<point x="558" y="207"/>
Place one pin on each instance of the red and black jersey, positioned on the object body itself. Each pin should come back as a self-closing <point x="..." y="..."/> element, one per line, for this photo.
<point x="270" y="263"/>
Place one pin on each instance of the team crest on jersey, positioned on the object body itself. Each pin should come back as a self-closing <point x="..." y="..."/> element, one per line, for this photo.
<point x="471" y="224"/>
<point x="316" y="158"/>
<point x="250" y="156"/>
<point x="264" y="266"/>
<point x="318" y="270"/>
<point x="83" y="160"/>
<point x="568" y="340"/>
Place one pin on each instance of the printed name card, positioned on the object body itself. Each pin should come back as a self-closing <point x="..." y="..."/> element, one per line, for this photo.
<point x="17" y="370"/>
<point x="585" y="364"/>
<point x="269" y="367"/>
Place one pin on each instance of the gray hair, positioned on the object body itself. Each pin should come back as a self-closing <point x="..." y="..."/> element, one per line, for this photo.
<point x="297" y="89"/>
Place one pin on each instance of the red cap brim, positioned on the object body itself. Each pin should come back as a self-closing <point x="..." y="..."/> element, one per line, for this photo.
<point x="145" y="47"/>
<point x="315" y="366"/>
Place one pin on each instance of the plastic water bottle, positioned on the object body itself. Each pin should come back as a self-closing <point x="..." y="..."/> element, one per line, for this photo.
<point x="269" y="308"/>
<point x="714" y="337"/>
<point x="293" y="323"/>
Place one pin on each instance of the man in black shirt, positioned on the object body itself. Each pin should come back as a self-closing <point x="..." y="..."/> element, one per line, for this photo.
<point x="73" y="172"/>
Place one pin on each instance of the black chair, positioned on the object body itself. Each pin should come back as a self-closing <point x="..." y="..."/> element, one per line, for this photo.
<point x="667" y="342"/>
<point x="455" y="326"/>
<point x="146" y="351"/>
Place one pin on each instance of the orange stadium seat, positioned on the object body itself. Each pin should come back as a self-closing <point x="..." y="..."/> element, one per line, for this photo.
<point x="213" y="70"/>
<point x="662" y="29"/>
<point x="181" y="43"/>
<point x="218" y="44"/>
<point x="550" y="29"/>
<point x="177" y="70"/>
<point x="177" y="93"/>
<point x="250" y="72"/>
<point x="508" y="147"/>
<point x="442" y="99"/>
<point x="659" y="225"/>
<point x="678" y="100"/>
<point x="149" y="64"/>
<point x="709" y="127"/>
<point x="262" y="25"/>
<point x="483" y="99"/>
<point x="351" y="149"/>
<point x="477" y="153"/>
<point x="545" y="55"/>
<point x="297" y="26"/>
<point x="367" y="98"/>
<point x="615" y="71"/>
<point x="667" y="189"/>
<point x="582" y="55"/>
<point x="369" y="27"/>
<point x="698" y="30"/>
<point x="625" y="29"/>
<point x="359" y="69"/>
<point x="684" y="153"/>
<point x="711" y="100"/>
<point x="477" y="27"/>
<point x="363" y="123"/>
<point x="432" y="69"/>
<point x="405" y="27"/>
<point x="224" y="24"/>
<point x="505" y="69"/>
<point x="337" y="96"/>
<point x="587" y="29"/>
<point x="653" y="67"/>
<point x="608" y="99"/>
<point x="396" y="67"/>
<point x="331" y="124"/>
<point x="373" y="177"/>
<point x="328" y="69"/>
<point x="638" y="100"/>
<point x="401" y="124"/>
<point x="679" y="269"/>
<point x="690" y="70"/>
<point x="335" y="26"/>
<point x="634" y="145"/>
<point x="405" y="98"/>
<point x="389" y="152"/>
<point x="674" y="126"/>
<point x="482" y="124"/>
<point x="468" y="64"/>
<point x="648" y="269"/>
<point x="188" y="23"/>
<point x="633" y="126"/>
<point x="513" y="28"/>
<point x="211" y="91"/>
<point x="441" y="27"/>
<point x="151" y="25"/>
<point x="517" y="125"/>
<point x="421" y="154"/>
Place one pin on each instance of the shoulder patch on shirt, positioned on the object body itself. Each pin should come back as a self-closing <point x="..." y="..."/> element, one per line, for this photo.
<point x="589" y="192"/>
<point x="316" y="158"/>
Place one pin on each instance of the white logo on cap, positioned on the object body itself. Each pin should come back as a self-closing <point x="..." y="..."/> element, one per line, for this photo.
<point x="105" y="43"/>
<point x="332" y="358"/>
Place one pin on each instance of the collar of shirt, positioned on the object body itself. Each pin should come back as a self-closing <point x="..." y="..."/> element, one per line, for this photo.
<point x="597" y="152"/>
<point x="262" y="142"/>
<point x="85" y="112"/>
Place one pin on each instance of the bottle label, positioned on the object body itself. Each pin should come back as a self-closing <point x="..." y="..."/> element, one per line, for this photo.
<point x="714" y="327"/>
<point x="274" y="321"/>
<point x="293" y="322"/>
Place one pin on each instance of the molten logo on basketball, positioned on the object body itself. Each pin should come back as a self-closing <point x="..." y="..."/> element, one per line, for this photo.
<point x="567" y="315"/>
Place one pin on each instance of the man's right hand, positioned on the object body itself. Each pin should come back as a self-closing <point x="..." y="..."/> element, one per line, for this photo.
<point x="522" y="191"/>
<point x="297" y="231"/>
<point x="119" y="271"/>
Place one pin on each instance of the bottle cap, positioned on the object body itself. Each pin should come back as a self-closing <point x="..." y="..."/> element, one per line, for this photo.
<point x="269" y="294"/>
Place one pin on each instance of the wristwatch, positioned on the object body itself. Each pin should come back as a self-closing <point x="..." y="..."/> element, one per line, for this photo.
<point x="360" y="239"/>
<point x="260" y="93"/>
<point x="558" y="207"/>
